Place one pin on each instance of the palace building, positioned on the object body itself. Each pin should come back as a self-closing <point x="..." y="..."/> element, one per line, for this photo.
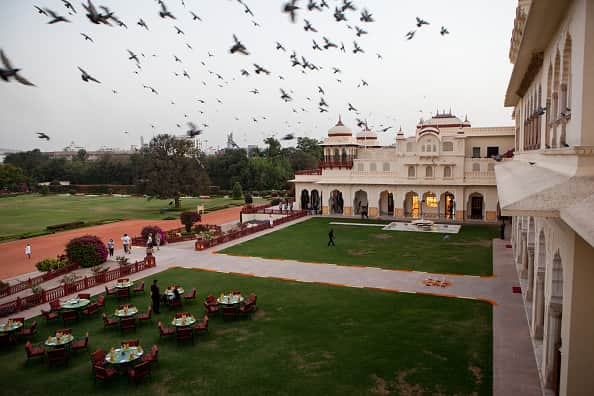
<point x="446" y="171"/>
<point x="548" y="187"/>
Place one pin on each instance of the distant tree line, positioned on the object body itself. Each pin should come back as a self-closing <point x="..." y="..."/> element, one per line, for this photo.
<point x="168" y="167"/>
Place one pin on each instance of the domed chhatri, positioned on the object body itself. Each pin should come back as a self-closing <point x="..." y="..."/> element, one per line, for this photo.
<point x="340" y="129"/>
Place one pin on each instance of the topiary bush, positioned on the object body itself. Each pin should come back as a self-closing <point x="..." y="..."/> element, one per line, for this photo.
<point x="153" y="230"/>
<point x="87" y="251"/>
<point x="51" y="264"/>
<point x="188" y="218"/>
<point x="237" y="191"/>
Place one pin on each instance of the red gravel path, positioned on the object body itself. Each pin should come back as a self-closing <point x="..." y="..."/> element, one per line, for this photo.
<point x="12" y="254"/>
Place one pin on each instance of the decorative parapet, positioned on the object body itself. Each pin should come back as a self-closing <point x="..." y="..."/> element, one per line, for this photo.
<point x="317" y="171"/>
<point x="518" y="31"/>
<point x="336" y="164"/>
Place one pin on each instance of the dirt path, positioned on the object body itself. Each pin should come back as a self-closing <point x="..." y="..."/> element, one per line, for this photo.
<point x="12" y="254"/>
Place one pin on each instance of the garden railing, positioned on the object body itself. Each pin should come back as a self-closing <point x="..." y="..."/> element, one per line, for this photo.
<point x="37" y="280"/>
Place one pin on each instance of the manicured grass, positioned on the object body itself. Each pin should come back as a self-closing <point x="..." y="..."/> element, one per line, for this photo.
<point x="30" y="213"/>
<point x="468" y="252"/>
<point x="304" y="339"/>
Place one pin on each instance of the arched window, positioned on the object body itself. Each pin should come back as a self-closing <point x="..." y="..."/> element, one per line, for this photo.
<point x="336" y="155"/>
<point x="373" y="167"/>
<point x="447" y="171"/>
<point x="422" y="147"/>
<point x="344" y="155"/>
<point x="386" y="167"/>
<point x="409" y="147"/>
<point x="428" y="171"/>
<point x="476" y="167"/>
<point x="448" y="146"/>
<point x="411" y="171"/>
<point x="360" y="167"/>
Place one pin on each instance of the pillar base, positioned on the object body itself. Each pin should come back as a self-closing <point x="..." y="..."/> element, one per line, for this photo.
<point x="324" y="210"/>
<point x="347" y="210"/>
<point x="460" y="215"/>
<point x="399" y="212"/>
<point x="491" y="216"/>
<point x="373" y="212"/>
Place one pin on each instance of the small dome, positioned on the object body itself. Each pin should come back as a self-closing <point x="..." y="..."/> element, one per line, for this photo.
<point x="367" y="135"/>
<point x="340" y="129"/>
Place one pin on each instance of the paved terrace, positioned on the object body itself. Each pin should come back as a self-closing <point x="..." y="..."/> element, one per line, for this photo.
<point x="514" y="366"/>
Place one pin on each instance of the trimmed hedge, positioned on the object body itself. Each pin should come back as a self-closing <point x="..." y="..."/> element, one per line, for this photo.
<point x="50" y="264"/>
<point x="65" y="226"/>
<point x="87" y="251"/>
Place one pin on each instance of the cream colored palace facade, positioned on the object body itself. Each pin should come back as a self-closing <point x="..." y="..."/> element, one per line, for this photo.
<point x="548" y="187"/>
<point x="446" y="171"/>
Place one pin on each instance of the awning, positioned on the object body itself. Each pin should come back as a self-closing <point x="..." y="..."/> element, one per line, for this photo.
<point x="531" y="190"/>
<point x="580" y="217"/>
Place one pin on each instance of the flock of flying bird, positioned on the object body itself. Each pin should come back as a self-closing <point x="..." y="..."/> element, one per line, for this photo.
<point x="342" y="13"/>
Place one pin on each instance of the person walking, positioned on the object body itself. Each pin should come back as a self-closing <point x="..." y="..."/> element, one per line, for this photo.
<point x="110" y="246"/>
<point x="149" y="242"/>
<point x="158" y="240"/>
<point x="28" y="251"/>
<point x="155" y="296"/>
<point x="331" y="237"/>
<point x="126" y="242"/>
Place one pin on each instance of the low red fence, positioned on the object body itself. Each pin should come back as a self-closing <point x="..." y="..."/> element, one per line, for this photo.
<point x="173" y="237"/>
<point x="21" y="304"/>
<point x="37" y="280"/>
<point x="295" y="214"/>
<point x="255" y="208"/>
<point x="317" y="171"/>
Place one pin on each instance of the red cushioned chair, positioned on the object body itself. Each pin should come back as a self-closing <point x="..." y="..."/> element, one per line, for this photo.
<point x="202" y="327"/>
<point x="181" y="314"/>
<point x="123" y="293"/>
<point x="139" y="288"/>
<point x="98" y="358"/>
<point x="109" y="322"/>
<point x="30" y="331"/>
<point x="127" y="324"/>
<point x="63" y="331"/>
<point x="110" y="292"/>
<point x="82" y="343"/>
<point x="145" y="316"/>
<point x="55" y="305"/>
<point x="211" y="305"/>
<point x="229" y="312"/>
<point x="185" y="333"/>
<point x="49" y="315"/>
<point x="103" y="373"/>
<point x="140" y="371"/>
<point x="165" y="331"/>
<point x="92" y="309"/>
<point x="101" y="301"/>
<point x="153" y="356"/>
<point x="86" y="296"/>
<point x="33" y="351"/>
<point x="69" y="315"/>
<point x="246" y="309"/>
<point x="57" y="355"/>
<point x="132" y="343"/>
<point x="190" y="296"/>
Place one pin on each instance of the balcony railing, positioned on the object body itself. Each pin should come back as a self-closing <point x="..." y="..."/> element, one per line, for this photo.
<point x="317" y="171"/>
<point x="336" y="164"/>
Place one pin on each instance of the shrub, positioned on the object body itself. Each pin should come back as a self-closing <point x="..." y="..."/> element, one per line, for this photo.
<point x="65" y="226"/>
<point x="44" y="190"/>
<point x="50" y="264"/>
<point x="188" y="218"/>
<point x="87" y="251"/>
<point x="237" y="191"/>
<point x="3" y="285"/>
<point x="248" y="198"/>
<point x="275" y="201"/>
<point x="153" y="230"/>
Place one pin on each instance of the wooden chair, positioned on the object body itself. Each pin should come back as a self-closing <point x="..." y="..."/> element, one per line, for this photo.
<point x="151" y="357"/>
<point x="175" y="303"/>
<point x="55" y="305"/>
<point x="140" y="371"/>
<point x="246" y="309"/>
<point x="190" y="296"/>
<point x="49" y="315"/>
<point x="185" y="333"/>
<point x="92" y="309"/>
<point x="132" y="343"/>
<point x="229" y="313"/>
<point x="123" y="293"/>
<point x="181" y="314"/>
<point x="81" y="343"/>
<point x="34" y="351"/>
<point x="139" y="288"/>
<point x="109" y="292"/>
<point x="86" y="296"/>
<point x="103" y="373"/>
<point x="101" y="301"/>
<point x="30" y="331"/>
<point x="123" y="280"/>
<point x="202" y="327"/>
<point x="127" y="324"/>
<point x="211" y="305"/>
<point x="98" y="358"/>
<point x="69" y="315"/>
<point x="109" y="322"/>
<point x="165" y="331"/>
<point x="57" y="355"/>
<point x="145" y="316"/>
<point x="63" y="331"/>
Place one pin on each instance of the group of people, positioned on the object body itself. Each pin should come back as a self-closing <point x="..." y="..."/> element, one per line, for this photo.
<point x="157" y="297"/>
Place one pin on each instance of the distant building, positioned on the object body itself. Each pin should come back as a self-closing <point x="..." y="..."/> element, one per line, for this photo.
<point x="445" y="171"/>
<point x="71" y="151"/>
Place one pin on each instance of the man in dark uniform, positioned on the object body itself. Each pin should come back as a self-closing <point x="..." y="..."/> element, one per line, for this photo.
<point x="155" y="296"/>
<point x="331" y="237"/>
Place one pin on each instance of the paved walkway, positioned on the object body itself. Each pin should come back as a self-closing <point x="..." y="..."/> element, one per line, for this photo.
<point x="13" y="262"/>
<point x="514" y="366"/>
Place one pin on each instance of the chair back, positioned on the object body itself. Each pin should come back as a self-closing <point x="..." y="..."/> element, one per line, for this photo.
<point x="236" y="293"/>
<point x="33" y="327"/>
<point x="132" y="343"/>
<point x="56" y="354"/>
<point x="100" y="372"/>
<point x="64" y="331"/>
<point x="98" y="357"/>
<point x="123" y="280"/>
<point x="69" y="315"/>
<point x="210" y="299"/>
<point x="86" y="339"/>
<point x="142" y="370"/>
<point x="123" y="293"/>
<point x="127" y="323"/>
<point x="253" y="298"/>
<point x="101" y="301"/>
<point x="28" y="347"/>
<point x="105" y="321"/>
<point x="184" y="333"/>
<point x="54" y="305"/>
<point x="84" y="296"/>
<point x="149" y="311"/>
<point x="155" y="352"/>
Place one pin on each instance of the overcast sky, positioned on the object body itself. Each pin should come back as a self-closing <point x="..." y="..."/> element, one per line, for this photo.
<point x="466" y="70"/>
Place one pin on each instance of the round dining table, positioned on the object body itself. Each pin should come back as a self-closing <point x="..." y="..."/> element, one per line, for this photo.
<point x="10" y="326"/>
<point x="120" y="356"/>
<point x="125" y="313"/>
<point x="59" y="341"/>
<point x="184" y="321"/>
<point x="76" y="303"/>
<point x="170" y="293"/>
<point x="124" y="285"/>
<point x="230" y="299"/>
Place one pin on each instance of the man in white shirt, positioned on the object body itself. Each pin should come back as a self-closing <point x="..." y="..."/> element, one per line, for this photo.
<point x="28" y="251"/>
<point x="126" y="241"/>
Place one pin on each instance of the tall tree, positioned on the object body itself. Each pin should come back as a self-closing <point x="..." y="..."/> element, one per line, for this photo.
<point x="310" y="146"/>
<point x="274" y="148"/>
<point x="172" y="167"/>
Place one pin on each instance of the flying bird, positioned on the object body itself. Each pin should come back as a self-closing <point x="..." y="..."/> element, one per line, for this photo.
<point x="386" y="129"/>
<point x="177" y="59"/>
<point x="360" y="31"/>
<point x="255" y="91"/>
<point x="444" y="31"/>
<point x="328" y="43"/>
<point x="133" y="56"/>
<point x="339" y="15"/>
<point x="357" y="48"/>
<point x="9" y="71"/>
<point x="68" y="5"/>
<point x="86" y="77"/>
<point x="348" y="5"/>
<point x="352" y="108"/>
<point x="245" y="73"/>
<point x="164" y="13"/>
<point x="42" y="135"/>
<point x="312" y="5"/>
<point x="290" y="9"/>
<point x="309" y="27"/>
<point x="260" y="69"/>
<point x="55" y="17"/>
<point x="421" y="22"/>
<point x="195" y="17"/>
<point x="285" y="96"/>
<point x="178" y="30"/>
<point x="410" y="34"/>
<point x="187" y="75"/>
<point x="193" y="131"/>
<point x="153" y="90"/>
<point x="238" y="47"/>
<point x="315" y="46"/>
<point x="288" y="136"/>
<point x="95" y="16"/>
<point x="279" y="46"/>
<point x="142" y="23"/>
<point x="366" y="16"/>
<point x="321" y="90"/>
<point x="87" y="37"/>
<point x="40" y="10"/>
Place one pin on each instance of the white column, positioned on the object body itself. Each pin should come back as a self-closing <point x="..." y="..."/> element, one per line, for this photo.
<point x="538" y="305"/>
<point x="551" y="345"/>
<point x="524" y="258"/>
<point x="530" y="272"/>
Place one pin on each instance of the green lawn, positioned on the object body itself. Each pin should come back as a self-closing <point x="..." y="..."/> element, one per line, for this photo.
<point x="468" y="252"/>
<point x="32" y="213"/>
<point x="304" y="339"/>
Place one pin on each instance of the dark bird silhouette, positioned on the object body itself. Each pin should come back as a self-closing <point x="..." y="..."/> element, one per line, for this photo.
<point x="364" y="83"/>
<point x="324" y="4"/>
<point x="40" y="11"/>
<point x="247" y="10"/>
<point x="87" y="37"/>
<point x="312" y="5"/>
<point x="323" y="110"/>
<point x="255" y="91"/>
<point x="379" y="56"/>
<point x="68" y="5"/>
<point x="153" y="90"/>
<point x="342" y="47"/>
<point x="291" y="8"/>
<point x="189" y="46"/>
<point x="366" y="16"/>
<point x="164" y="13"/>
<point x="386" y="129"/>
<point x="532" y="163"/>
<point x="95" y="16"/>
<point x="288" y="136"/>
<point x="55" y="17"/>
<point x="315" y="46"/>
<point x="285" y="96"/>
<point x="323" y="103"/>
<point x="336" y="70"/>
<point x="193" y="131"/>
<point x="352" y="108"/>
<point x="133" y="56"/>
<point x="114" y="91"/>
<point x="339" y="15"/>
<point x="421" y="22"/>
<point x="360" y="31"/>
<point x="245" y="73"/>
<point x="321" y="90"/>
<point x="309" y="27"/>
<point x="8" y="71"/>
<point x="86" y="77"/>
<point x="328" y="43"/>
<point x="178" y="30"/>
<point x="279" y="46"/>
<point x="238" y="47"/>
<point x="348" y="5"/>
<point x="195" y="17"/>
<point x="357" y="48"/>
<point x="259" y="69"/>
<point x="42" y="135"/>
<point x="142" y="23"/>
<point x="410" y="34"/>
<point x="177" y="59"/>
<point x="443" y="31"/>
<point x="187" y="75"/>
